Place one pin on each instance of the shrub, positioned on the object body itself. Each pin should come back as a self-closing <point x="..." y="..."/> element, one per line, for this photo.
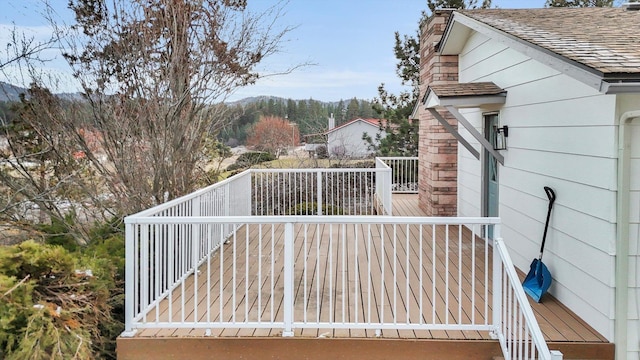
<point x="52" y="307"/>
<point x="250" y="158"/>
<point x="59" y="232"/>
<point x="322" y="152"/>
<point x="365" y="164"/>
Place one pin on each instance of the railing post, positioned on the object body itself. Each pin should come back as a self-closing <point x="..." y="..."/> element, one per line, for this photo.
<point x="250" y="191"/>
<point x="227" y="202"/>
<point x="497" y="282"/>
<point x="195" y="233"/>
<point x="288" y="280"/>
<point x="226" y="228"/>
<point x="388" y="203"/>
<point x="319" y="192"/>
<point x="129" y="300"/>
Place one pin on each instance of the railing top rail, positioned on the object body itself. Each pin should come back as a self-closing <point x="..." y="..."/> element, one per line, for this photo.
<point x="315" y="170"/>
<point x="334" y="219"/>
<point x="397" y="157"/>
<point x="536" y="335"/>
<point x="192" y="195"/>
<point x="169" y="204"/>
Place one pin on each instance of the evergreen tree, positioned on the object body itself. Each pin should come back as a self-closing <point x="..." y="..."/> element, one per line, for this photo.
<point x="457" y="4"/>
<point x="402" y="133"/>
<point x="340" y="112"/>
<point x="353" y="110"/>
<point x="292" y="110"/>
<point x="366" y="111"/>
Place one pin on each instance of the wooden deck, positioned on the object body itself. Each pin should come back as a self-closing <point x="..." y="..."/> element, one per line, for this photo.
<point x="340" y="303"/>
<point x="558" y="323"/>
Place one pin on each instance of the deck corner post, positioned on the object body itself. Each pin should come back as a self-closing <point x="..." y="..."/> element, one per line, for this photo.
<point x="497" y="286"/>
<point x="129" y="278"/>
<point x="288" y="280"/>
<point x="251" y="190"/>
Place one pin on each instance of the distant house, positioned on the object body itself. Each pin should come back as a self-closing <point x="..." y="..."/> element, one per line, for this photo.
<point x="345" y="141"/>
<point x="564" y="85"/>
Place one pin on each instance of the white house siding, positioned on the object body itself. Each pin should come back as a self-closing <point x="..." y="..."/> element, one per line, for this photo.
<point x="562" y="134"/>
<point x="347" y="141"/>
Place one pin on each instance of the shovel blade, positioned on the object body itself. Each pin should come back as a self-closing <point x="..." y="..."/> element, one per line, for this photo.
<point x="537" y="281"/>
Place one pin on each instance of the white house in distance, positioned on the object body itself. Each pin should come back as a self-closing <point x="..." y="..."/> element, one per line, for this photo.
<point x="564" y="84"/>
<point x="345" y="141"/>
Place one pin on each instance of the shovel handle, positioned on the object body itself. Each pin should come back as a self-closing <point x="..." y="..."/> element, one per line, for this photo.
<point x="552" y="198"/>
<point x="550" y="194"/>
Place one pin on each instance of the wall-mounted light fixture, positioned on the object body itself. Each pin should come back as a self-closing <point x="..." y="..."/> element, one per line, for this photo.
<point x="501" y="138"/>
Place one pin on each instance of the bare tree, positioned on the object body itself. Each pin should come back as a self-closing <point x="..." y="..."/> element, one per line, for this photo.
<point x="154" y="73"/>
<point x="43" y="177"/>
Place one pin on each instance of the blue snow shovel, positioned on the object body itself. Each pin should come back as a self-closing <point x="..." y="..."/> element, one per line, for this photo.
<point x="538" y="279"/>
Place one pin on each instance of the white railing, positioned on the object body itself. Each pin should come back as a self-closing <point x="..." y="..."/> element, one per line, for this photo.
<point x="404" y="178"/>
<point x="206" y="261"/>
<point x="298" y="272"/>
<point x="516" y="326"/>
<point x="230" y="197"/>
<point x="320" y="191"/>
<point x="159" y="256"/>
<point x="383" y="188"/>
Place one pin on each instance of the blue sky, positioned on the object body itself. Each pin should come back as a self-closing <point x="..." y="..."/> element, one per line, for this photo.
<point x="349" y="41"/>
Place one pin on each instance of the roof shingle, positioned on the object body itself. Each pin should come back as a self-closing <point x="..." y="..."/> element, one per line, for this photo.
<point x="467" y="89"/>
<point x="604" y="39"/>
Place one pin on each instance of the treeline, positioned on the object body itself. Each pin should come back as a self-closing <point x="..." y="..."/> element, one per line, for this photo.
<point x="309" y="115"/>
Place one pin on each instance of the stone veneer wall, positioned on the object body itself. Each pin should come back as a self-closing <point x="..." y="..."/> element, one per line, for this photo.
<point x="437" y="150"/>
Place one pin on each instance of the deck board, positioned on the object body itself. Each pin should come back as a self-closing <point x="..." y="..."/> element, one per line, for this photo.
<point x="365" y="263"/>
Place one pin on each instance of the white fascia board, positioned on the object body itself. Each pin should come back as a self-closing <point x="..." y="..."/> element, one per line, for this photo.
<point x="433" y="101"/>
<point x="582" y="73"/>
<point x="473" y="101"/>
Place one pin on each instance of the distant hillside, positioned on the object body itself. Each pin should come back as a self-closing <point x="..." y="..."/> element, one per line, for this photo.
<point x="10" y="92"/>
<point x="255" y="99"/>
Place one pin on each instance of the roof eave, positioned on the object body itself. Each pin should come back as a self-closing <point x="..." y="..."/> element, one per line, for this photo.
<point x="432" y="100"/>
<point x="458" y="37"/>
<point x="349" y="124"/>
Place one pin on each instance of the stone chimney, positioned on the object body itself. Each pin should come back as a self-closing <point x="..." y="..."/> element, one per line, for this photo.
<point x="437" y="150"/>
<point x="332" y="122"/>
